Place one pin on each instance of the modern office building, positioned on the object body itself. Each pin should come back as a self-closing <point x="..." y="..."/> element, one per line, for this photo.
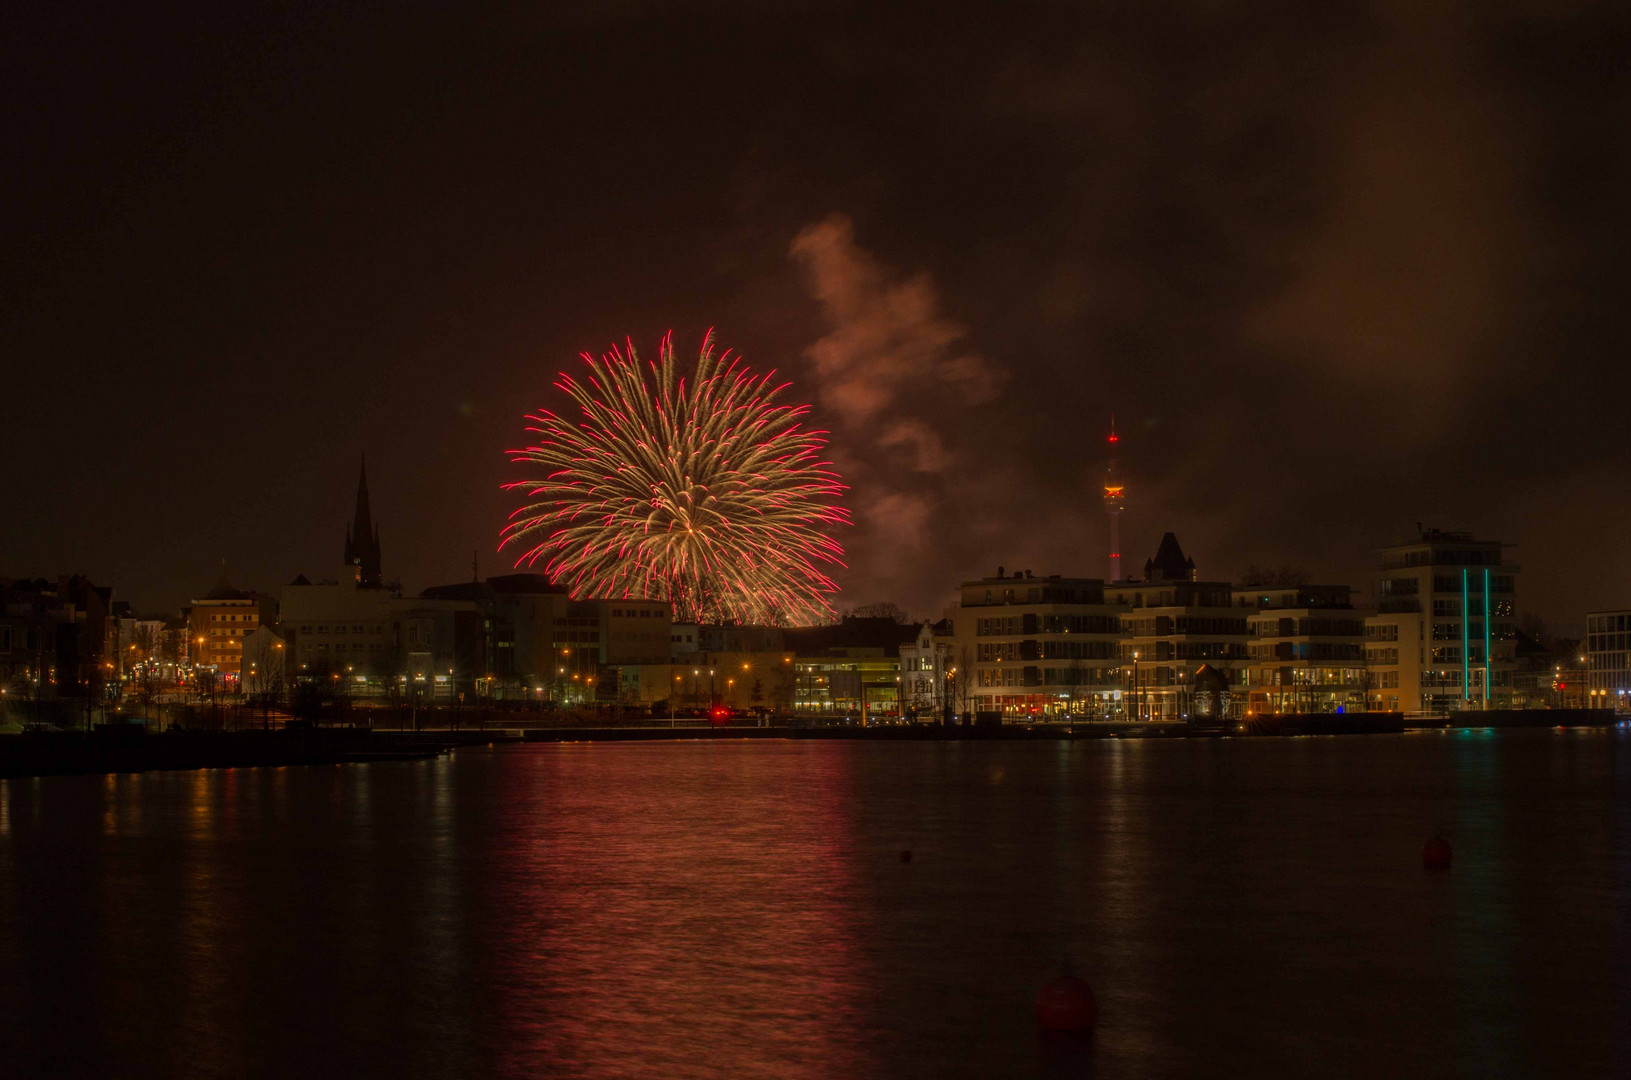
<point x="1608" y="659"/>
<point x="851" y="668"/>
<point x="1443" y="634"/>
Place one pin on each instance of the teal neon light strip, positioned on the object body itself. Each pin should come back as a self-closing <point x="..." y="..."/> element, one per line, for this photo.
<point x="1466" y="676"/>
<point x="1487" y="685"/>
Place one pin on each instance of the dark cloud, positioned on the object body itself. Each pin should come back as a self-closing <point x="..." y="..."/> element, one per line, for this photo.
<point x="1336" y="268"/>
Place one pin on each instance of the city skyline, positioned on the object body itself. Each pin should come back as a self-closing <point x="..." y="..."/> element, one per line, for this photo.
<point x="486" y="564"/>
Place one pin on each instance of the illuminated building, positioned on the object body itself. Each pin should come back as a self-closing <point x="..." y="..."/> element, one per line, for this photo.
<point x="1305" y="648"/>
<point x="1608" y="659"/>
<point x="219" y="621"/>
<point x="851" y="668"/>
<point x="1443" y="636"/>
<point x="1027" y="646"/>
<point x="1171" y="625"/>
<point x="927" y="671"/>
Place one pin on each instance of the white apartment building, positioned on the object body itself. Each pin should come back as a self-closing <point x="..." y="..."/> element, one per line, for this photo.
<point x="1443" y="635"/>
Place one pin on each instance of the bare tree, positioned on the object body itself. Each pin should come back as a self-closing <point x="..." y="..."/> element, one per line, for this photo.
<point x="1076" y="675"/>
<point x="264" y="675"/>
<point x="146" y="642"/>
<point x="882" y="609"/>
<point x="1274" y="577"/>
<point x="962" y="683"/>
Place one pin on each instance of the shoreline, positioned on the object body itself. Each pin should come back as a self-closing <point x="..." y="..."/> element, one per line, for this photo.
<point x="118" y="749"/>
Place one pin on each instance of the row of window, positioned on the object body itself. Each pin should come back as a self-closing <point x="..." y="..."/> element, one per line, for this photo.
<point x="1308" y="627"/>
<point x="1451" y="654"/>
<point x="1184" y="650"/>
<point x="1452" y="608"/>
<point x="1305" y="650"/>
<point x="1409" y="586"/>
<point x="1164" y="625"/>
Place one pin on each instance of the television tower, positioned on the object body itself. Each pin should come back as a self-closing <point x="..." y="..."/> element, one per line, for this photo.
<point x="1113" y="503"/>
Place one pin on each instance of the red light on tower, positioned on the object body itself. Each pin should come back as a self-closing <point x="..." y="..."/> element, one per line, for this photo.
<point x="1114" y="501"/>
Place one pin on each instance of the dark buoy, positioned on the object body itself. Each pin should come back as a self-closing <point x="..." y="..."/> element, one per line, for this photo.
<point x="905" y="854"/>
<point x="1066" y="1004"/>
<point x="1435" y="854"/>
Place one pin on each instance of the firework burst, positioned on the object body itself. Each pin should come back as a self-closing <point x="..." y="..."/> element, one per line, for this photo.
<point x="696" y="487"/>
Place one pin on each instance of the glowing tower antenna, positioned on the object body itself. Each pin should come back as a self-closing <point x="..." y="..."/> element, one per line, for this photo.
<point x="1113" y="503"/>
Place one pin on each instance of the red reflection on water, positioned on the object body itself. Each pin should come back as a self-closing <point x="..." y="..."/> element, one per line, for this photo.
<point x="676" y="921"/>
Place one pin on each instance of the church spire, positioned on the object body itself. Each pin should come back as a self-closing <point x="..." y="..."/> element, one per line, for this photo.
<point x="362" y="536"/>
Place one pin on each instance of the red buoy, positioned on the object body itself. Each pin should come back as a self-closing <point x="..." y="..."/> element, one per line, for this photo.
<point x="906" y="855"/>
<point x="1435" y="854"/>
<point x="1066" y="1004"/>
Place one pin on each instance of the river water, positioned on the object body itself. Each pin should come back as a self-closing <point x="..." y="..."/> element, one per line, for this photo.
<point x="739" y="909"/>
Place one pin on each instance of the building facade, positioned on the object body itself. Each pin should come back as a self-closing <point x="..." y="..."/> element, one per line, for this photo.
<point x="1305" y="649"/>
<point x="926" y="672"/>
<point x="1173" y="625"/>
<point x="1443" y="636"/>
<point x="1027" y="646"/>
<point x="1608" y="659"/>
<point x="218" y="624"/>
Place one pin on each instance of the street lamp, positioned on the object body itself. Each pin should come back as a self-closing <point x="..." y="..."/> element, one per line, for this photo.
<point x="1138" y="696"/>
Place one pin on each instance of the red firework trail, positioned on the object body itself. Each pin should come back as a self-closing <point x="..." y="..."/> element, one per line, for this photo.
<point x="696" y="487"/>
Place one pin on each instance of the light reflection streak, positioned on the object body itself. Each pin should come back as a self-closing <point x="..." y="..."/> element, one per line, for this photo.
<point x="698" y="926"/>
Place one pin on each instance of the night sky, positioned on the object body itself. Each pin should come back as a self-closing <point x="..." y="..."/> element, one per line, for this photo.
<point x="1336" y="268"/>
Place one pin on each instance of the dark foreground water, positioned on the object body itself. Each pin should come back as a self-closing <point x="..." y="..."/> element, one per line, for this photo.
<point x="733" y="909"/>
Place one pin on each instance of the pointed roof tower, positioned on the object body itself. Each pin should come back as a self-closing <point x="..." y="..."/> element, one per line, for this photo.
<point x="362" y="536"/>
<point x="1170" y="562"/>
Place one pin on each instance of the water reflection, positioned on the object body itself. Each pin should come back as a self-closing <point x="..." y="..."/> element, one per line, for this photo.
<point x="739" y="909"/>
<point x="701" y="926"/>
